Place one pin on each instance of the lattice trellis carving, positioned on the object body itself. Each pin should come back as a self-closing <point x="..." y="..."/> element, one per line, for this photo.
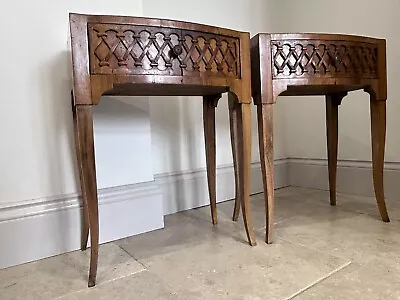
<point x="210" y="53"/>
<point x="315" y="58"/>
<point x="130" y="49"/>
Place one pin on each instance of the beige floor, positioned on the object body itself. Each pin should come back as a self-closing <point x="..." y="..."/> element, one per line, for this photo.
<point x="320" y="252"/>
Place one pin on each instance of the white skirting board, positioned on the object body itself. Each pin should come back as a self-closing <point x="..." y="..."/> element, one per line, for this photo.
<point x="41" y="228"/>
<point x="46" y="227"/>
<point x="186" y="190"/>
<point x="353" y="177"/>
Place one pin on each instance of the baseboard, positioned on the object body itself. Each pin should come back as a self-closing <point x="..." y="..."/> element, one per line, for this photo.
<point x="353" y="177"/>
<point x="186" y="190"/>
<point x="36" y="229"/>
<point x="41" y="228"/>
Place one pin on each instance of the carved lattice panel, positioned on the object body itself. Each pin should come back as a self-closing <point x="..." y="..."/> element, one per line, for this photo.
<point x="214" y="54"/>
<point x="131" y="49"/>
<point x="316" y="58"/>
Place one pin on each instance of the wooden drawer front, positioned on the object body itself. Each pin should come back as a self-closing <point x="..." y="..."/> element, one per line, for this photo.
<point x="319" y="58"/>
<point x="212" y="54"/>
<point x="131" y="49"/>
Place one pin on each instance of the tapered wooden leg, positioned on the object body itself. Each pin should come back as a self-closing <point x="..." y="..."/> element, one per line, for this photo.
<point x="86" y="161"/>
<point x="332" y="104"/>
<point x="378" y="133"/>
<point x="209" y="105"/>
<point x="266" y="147"/>
<point x="85" y="216"/>
<point x="242" y="147"/>
<point x="233" y="122"/>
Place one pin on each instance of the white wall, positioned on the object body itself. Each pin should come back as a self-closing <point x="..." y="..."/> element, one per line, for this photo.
<point x="37" y="157"/>
<point x="305" y="116"/>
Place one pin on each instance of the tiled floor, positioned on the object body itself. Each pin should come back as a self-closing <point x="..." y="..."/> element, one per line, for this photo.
<point x="320" y="252"/>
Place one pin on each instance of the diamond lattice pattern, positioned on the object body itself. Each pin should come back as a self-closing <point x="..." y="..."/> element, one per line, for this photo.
<point x="329" y="59"/>
<point x="148" y="50"/>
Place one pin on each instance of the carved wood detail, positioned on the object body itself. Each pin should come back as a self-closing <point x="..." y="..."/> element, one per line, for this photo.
<point x="319" y="58"/>
<point x="210" y="53"/>
<point x="133" y="49"/>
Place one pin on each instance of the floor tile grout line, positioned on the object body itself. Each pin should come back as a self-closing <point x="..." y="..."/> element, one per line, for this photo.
<point x="137" y="260"/>
<point x="301" y="291"/>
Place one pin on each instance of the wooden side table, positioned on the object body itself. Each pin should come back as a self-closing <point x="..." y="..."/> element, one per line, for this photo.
<point x="115" y="55"/>
<point x="318" y="64"/>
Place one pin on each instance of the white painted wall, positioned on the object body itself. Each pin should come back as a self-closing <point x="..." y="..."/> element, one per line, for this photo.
<point x="304" y="117"/>
<point x="177" y="125"/>
<point x="37" y="157"/>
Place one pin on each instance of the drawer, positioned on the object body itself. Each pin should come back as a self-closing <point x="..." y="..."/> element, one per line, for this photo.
<point x="323" y="58"/>
<point x="210" y="54"/>
<point x="132" y="49"/>
<point x="146" y="50"/>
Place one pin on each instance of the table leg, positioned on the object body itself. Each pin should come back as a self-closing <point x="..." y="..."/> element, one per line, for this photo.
<point x="209" y="105"/>
<point x="241" y="142"/>
<point x="332" y="104"/>
<point x="233" y="121"/>
<point x="266" y="148"/>
<point x="85" y="216"/>
<point x="378" y="133"/>
<point x="86" y="160"/>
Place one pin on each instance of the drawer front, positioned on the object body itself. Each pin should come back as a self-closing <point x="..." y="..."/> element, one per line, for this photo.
<point x="210" y="54"/>
<point x="133" y="50"/>
<point x="319" y="58"/>
<point x="147" y="50"/>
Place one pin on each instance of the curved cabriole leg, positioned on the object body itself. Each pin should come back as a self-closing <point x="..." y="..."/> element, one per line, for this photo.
<point x="233" y="121"/>
<point x="332" y="104"/>
<point x="378" y="133"/>
<point x="266" y="148"/>
<point x="86" y="161"/>
<point x="85" y="217"/>
<point x="243" y="158"/>
<point x="209" y="105"/>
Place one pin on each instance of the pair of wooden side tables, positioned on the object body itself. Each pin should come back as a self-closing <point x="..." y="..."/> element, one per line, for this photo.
<point x="114" y="55"/>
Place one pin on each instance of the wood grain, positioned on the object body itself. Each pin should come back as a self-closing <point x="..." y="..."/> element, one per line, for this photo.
<point x="378" y="134"/>
<point x="332" y="102"/>
<point x="84" y="123"/>
<point x="241" y="147"/>
<point x="85" y="213"/>
<point x="209" y="105"/>
<point x="266" y="148"/>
